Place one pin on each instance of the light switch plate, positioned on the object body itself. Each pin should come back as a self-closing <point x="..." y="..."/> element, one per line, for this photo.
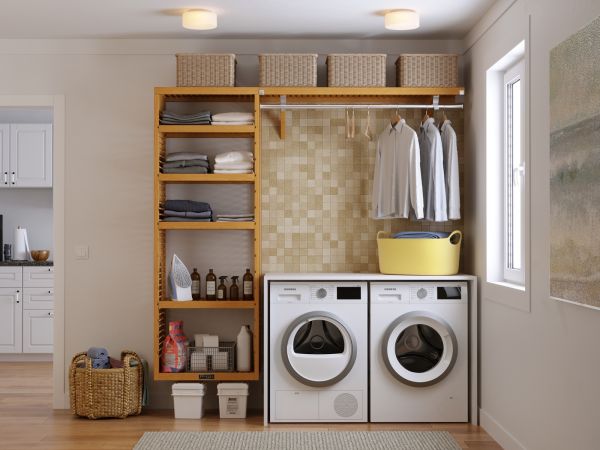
<point x="82" y="252"/>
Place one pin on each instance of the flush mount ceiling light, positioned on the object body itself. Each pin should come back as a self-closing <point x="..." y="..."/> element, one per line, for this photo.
<point x="402" y="19"/>
<point x="199" y="19"/>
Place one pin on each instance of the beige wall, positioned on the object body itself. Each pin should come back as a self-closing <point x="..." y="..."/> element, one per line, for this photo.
<point x="108" y="87"/>
<point x="539" y="369"/>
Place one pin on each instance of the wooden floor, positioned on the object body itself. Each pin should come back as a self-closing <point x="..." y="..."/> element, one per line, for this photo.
<point x="27" y="421"/>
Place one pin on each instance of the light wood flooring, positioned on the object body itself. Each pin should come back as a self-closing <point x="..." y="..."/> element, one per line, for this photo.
<point x="27" y="421"/>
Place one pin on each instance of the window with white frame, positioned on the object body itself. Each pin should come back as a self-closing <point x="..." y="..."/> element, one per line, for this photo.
<point x="513" y="174"/>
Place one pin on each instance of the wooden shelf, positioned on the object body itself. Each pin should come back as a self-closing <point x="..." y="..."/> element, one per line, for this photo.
<point x="206" y="130"/>
<point x="207" y="304"/>
<point x="224" y="178"/>
<point x="213" y="376"/>
<point x="206" y="225"/>
<point x="361" y="91"/>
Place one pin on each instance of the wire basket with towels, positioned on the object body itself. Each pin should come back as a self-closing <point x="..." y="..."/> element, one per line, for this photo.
<point x="97" y="393"/>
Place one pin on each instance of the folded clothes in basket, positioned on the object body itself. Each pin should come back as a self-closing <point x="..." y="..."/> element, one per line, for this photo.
<point x="421" y="235"/>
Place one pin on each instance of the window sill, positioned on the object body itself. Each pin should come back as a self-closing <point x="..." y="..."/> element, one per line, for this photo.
<point x="509" y="285"/>
<point x="508" y="294"/>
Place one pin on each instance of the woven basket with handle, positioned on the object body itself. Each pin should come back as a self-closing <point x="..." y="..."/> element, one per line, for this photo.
<point x="97" y="393"/>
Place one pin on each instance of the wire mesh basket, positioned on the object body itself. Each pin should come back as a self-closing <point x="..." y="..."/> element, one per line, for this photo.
<point x="212" y="359"/>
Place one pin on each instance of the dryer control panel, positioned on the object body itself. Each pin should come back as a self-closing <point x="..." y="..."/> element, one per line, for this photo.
<point x="419" y="292"/>
<point x="318" y="292"/>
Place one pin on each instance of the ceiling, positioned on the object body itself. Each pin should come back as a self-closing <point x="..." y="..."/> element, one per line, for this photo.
<point x="335" y="19"/>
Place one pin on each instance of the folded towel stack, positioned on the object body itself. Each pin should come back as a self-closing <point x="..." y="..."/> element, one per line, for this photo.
<point x="100" y="358"/>
<point x="186" y="162"/>
<point x="421" y="235"/>
<point x="234" y="162"/>
<point x="233" y="118"/>
<point x="186" y="211"/>
<point x="235" y="217"/>
<point x="171" y="118"/>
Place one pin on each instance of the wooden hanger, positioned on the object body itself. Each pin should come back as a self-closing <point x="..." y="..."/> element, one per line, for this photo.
<point x="396" y="118"/>
<point x="426" y="116"/>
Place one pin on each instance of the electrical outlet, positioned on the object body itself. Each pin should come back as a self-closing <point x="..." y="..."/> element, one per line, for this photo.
<point x="82" y="252"/>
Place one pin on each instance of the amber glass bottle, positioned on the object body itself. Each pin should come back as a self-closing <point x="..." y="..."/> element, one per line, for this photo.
<point x="234" y="289"/>
<point x="211" y="285"/>
<point x="248" y="281"/>
<point x="195" y="285"/>
<point x="222" y="289"/>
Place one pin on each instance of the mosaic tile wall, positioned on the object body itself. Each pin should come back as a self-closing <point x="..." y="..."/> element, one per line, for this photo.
<point x="316" y="191"/>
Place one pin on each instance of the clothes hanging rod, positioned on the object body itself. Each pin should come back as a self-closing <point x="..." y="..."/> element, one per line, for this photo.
<point x="359" y="106"/>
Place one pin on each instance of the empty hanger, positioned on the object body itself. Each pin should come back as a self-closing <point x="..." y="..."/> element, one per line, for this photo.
<point x="350" y="125"/>
<point x="368" y="132"/>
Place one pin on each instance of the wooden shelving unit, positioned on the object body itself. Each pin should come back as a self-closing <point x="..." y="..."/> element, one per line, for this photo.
<point x="162" y="304"/>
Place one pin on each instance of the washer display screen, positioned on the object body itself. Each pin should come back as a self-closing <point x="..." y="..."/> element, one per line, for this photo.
<point x="419" y="348"/>
<point x="449" y="293"/>
<point x="348" y="293"/>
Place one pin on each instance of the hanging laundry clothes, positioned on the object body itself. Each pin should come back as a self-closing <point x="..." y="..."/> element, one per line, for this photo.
<point x="171" y="118"/>
<point x="450" y="148"/>
<point x="233" y="118"/>
<point x="397" y="181"/>
<point x="186" y="162"/>
<point x="432" y="171"/>
<point x="186" y="211"/>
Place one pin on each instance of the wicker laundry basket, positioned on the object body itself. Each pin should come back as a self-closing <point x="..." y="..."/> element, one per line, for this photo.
<point x="356" y="70"/>
<point x="97" y="393"/>
<point x="288" y="69"/>
<point x="427" y="70"/>
<point x="205" y="69"/>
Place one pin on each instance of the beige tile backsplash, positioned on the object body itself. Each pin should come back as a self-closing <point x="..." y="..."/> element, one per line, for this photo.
<point x="316" y="191"/>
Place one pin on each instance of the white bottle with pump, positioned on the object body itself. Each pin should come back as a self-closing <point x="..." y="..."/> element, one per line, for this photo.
<point x="244" y="350"/>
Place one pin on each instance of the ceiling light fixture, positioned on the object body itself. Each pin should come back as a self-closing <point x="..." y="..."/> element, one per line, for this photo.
<point x="199" y="19"/>
<point x="402" y="19"/>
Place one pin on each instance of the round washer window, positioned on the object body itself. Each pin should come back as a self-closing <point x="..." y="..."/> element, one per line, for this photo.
<point x="419" y="348"/>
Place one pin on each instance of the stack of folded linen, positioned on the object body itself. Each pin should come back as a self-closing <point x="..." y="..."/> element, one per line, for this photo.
<point x="234" y="162"/>
<point x="171" y="118"/>
<point x="186" y="162"/>
<point x="235" y="217"/>
<point x="233" y="118"/>
<point x="186" y="211"/>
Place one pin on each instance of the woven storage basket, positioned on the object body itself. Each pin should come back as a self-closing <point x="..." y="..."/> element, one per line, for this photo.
<point x="427" y="70"/>
<point x="288" y="69"/>
<point x="97" y="393"/>
<point x="356" y="70"/>
<point x="205" y="70"/>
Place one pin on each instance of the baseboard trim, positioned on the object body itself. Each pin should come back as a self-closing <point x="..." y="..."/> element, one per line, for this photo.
<point x="26" y="357"/>
<point x="500" y="434"/>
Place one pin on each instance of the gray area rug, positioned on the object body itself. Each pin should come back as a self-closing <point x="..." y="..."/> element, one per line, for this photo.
<point x="298" y="440"/>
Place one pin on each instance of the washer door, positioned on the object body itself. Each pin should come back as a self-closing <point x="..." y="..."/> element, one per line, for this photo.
<point x="419" y="348"/>
<point x="318" y="349"/>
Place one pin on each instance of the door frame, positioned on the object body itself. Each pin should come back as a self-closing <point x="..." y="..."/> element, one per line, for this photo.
<point x="57" y="104"/>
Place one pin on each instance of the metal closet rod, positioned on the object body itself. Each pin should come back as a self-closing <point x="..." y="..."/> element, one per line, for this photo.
<point x="359" y="106"/>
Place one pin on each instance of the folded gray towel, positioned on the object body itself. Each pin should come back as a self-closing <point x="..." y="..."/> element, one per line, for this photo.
<point x="186" y="163"/>
<point x="192" y="170"/>
<point x="187" y="205"/>
<point x="170" y="213"/>
<point x="179" y="156"/>
<point x="186" y="219"/>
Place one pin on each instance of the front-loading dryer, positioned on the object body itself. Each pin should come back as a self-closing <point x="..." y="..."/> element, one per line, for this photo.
<point x="318" y="362"/>
<point x="419" y="352"/>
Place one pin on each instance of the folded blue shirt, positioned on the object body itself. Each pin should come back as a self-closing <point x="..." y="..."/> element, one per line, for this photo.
<point x="421" y="235"/>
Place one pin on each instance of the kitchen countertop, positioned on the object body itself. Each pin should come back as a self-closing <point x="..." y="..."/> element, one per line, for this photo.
<point x="26" y="263"/>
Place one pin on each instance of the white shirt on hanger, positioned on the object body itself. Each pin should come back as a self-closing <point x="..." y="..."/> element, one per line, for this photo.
<point x="397" y="180"/>
<point x="432" y="170"/>
<point x="451" y="170"/>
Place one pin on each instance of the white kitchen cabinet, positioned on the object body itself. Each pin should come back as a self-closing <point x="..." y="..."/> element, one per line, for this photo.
<point x="38" y="276"/>
<point x="38" y="298"/>
<point x="11" y="320"/>
<point x="38" y="331"/>
<point x="11" y="276"/>
<point x="26" y="155"/>
<point x="4" y="155"/>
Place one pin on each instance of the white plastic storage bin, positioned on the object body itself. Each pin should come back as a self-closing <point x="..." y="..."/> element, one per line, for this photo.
<point x="233" y="399"/>
<point x="188" y="400"/>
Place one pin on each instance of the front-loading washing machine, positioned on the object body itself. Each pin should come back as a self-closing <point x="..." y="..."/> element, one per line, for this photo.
<point x="419" y="352"/>
<point x="318" y="363"/>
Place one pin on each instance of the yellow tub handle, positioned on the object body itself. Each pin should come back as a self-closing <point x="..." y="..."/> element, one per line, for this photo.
<point x="452" y="238"/>
<point x="382" y="234"/>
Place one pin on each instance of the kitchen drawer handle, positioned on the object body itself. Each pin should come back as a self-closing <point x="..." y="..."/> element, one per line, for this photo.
<point x="12" y="178"/>
<point x="49" y="292"/>
<point x="5" y="177"/>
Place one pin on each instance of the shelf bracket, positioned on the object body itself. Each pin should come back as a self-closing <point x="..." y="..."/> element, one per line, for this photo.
<point x="436" y="102"/>
<point x="282" y="102"/>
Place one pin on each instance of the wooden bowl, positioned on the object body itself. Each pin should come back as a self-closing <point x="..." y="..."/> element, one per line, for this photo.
<point x="40" y="255"/>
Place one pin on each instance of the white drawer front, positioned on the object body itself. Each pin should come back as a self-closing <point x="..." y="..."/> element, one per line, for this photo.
<point x="38" y="276"/>
<point x="38" y="334"/>
<point x="11" y="276"/>
<point x="38" y="298"/>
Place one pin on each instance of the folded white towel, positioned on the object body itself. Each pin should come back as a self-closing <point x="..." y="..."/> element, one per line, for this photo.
<point x="232" y="171"/>
<point x="230" y="157"/>
<point x="233" y="117"/>
<point x="234" y="165"/>
<point x="210" y="341"/>
<point x="182" y="156"/>
<point x="233" y="123"/>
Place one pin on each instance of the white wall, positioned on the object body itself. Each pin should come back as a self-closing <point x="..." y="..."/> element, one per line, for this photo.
<point x="540" y="387"/>
<point x="30" y="209"/>
<point x="108" y="86"/>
